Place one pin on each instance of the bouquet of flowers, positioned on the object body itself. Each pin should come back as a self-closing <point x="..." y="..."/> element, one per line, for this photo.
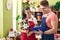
<point x="25" y="24"/>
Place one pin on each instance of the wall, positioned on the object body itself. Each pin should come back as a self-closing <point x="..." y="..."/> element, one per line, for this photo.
<point x="1" y="18"/>
<point x="52" y="2"/>
<point x="19" y="5"/>
<point x="7" y="19"/>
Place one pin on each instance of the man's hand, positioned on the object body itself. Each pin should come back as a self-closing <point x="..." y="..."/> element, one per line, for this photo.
<point x="38" y="32"/>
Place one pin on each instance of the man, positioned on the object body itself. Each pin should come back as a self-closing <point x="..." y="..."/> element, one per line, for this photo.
<point x="49" y="22"/>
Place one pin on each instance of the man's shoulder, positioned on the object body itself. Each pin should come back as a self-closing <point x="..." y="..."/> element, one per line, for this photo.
<point x="52" y="14"/>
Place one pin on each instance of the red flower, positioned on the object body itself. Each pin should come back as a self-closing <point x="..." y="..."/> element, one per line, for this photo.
<point x="56" y="35"/>
<point x="11" y="29"/>
<point x="27" y="0"/>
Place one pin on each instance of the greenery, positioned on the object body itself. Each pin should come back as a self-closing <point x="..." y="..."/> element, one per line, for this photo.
<point x="17" y="18"/>
<point x="25" y="4"/>
<point x="57" y="6"/>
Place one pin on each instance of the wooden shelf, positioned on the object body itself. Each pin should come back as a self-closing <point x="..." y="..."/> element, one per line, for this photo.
<point x="58" y="21"/>
<point x="58" y="29"/>
<point x="58" y="14"/>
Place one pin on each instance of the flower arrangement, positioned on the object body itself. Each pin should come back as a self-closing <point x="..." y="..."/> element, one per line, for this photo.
<point x="25" y="24"/>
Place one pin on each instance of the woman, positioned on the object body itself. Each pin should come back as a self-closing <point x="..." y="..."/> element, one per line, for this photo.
<point x="25" y="34"/>
<point x="38" y="16"/>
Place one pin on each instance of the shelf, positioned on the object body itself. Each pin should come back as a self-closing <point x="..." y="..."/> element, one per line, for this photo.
<point x="58" y="29"/>
<point x="58" y="21"/>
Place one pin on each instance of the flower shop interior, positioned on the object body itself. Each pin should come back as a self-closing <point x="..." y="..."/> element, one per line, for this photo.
<point x="11" y="13"/>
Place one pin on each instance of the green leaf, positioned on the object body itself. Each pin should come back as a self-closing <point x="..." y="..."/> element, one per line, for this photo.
<point x="57" y="5"/>
<point x="17" y="17"/>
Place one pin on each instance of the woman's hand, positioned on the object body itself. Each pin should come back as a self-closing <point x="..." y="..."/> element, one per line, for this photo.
<point x="26" y="31"/>
<point x="21" y="23"/>
<point x="40" y="32"/>
<point x="28" y="34"/>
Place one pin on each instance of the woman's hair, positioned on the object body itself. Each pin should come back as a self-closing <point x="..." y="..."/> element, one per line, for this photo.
<point x="36" y="14"/>
<point x="23" y="12"/>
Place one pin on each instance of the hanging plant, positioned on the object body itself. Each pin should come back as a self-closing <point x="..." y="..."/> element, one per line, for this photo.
<point x="57" y="6"/>
<point x="25" y="3"/>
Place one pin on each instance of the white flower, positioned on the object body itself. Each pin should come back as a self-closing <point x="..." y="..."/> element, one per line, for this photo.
<point x="25" y="26"/>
